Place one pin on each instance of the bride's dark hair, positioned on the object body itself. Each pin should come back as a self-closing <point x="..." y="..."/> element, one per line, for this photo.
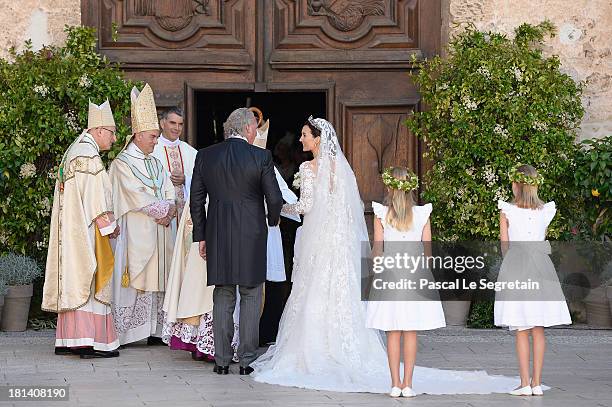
<point x="315" y="132"/>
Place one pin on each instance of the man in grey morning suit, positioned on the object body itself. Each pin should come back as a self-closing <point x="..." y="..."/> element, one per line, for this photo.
<point x="235" y="176"/>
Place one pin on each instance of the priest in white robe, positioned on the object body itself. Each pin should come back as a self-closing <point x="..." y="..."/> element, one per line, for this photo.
<point x="177" y="157"/>
<point x="80" y="259"/>
<point x="144" y="200"/>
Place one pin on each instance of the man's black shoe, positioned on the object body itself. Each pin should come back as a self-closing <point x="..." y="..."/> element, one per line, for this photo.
<point x="246" y="370"/>
<point x="221" y="369"/>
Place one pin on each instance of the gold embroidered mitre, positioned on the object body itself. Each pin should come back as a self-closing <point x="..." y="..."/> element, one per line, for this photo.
<point x="144" y="112"/>
<point x="100" y="116"/>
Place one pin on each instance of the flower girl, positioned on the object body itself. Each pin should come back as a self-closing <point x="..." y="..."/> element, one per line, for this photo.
<point x="525" y="220"/>
<point x="400" y="220"/>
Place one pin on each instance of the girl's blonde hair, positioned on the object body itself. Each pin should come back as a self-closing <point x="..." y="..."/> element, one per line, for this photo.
<point x="400" y="203"/>
<point x="527" y="195"/>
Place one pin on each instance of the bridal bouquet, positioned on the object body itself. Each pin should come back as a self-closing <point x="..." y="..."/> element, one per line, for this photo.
<point x="296" y="181"/>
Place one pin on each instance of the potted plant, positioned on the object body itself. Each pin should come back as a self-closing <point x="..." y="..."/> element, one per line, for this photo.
<point x="608" y="274"/>
<point x="593" y="178"/>
<point x="597" y="302"/>
<point x="609" y="295"/>
<point x="19" y="272"/>
<point x="3" y="290"/>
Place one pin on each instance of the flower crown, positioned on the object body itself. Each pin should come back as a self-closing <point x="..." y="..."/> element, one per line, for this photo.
<point x="407" y="185"/>
<point x="516" y="176"/>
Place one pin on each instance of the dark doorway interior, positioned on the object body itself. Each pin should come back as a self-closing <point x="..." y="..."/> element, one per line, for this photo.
<point x="287" y="112"/>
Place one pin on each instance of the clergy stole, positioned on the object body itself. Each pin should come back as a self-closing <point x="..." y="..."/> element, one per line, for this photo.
<point x="105" y="261"/>
<point x="174" y="158"/>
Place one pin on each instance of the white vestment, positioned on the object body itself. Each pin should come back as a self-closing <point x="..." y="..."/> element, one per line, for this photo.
<point x="143" y="248"/>
<point x="177" y="156"/>
<point x="187" y="155"/>
<point x="276" y="261"/>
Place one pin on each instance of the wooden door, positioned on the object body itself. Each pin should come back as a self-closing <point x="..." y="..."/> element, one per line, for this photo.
<point x="356" y="51"/>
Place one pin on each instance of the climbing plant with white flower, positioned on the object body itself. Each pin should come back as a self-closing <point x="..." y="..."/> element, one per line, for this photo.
<point x="492" y="102"/>
<point x="27" y="170"/>
<point x="44" y="98"/>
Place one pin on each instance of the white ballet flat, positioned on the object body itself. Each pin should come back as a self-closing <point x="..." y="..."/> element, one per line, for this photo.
<point x="395" y="392"/>
<point x="522" y="391"/>
<point x="537" y="391"/>
<point x="408" y="392"/>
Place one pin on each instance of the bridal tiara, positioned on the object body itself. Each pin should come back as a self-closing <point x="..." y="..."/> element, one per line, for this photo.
<point x="313" y="121"/>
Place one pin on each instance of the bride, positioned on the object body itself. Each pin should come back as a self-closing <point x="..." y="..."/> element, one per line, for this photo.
<point x="323" y="342"/>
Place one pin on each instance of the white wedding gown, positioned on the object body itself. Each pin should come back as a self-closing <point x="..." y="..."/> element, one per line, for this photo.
<point x="323" y="342"/>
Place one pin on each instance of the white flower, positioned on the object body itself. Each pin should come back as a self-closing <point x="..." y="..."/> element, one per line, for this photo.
<point x="518" y="74"/>
<point x="469" y="103"/>
<point x="52" y="174"/>
<point x="443" y="86"/>
<point x="500" y="194"/>
<point x="484" y="72"/>
<point x="461" y="193"/>
<point x="296" y="181"/>
<point x="487" y="37"/>
<point x="72" y="121"/>
<point x="42" y="90"/>
<point x="540" y="126"/>
<point x="441" y="168"/>
<point x="470" y="171"/>
<point x="40" y="245"/>
<point x="46" y="206"/>
<point x="566" y="119"/>
<point x="84" y="81"/>
<point x="451" y="204"/>
<point x="500" y="131"/>
<point x="489" y="176"/>
<point x="27" y="170"/>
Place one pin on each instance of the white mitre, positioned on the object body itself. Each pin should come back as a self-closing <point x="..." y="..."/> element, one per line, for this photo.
<point x="262" y="135"/>
<point x="100" y="116"/>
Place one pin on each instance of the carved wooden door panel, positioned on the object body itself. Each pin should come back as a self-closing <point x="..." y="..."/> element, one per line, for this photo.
<point x="358" y="52"/>
<point x="365" y="48"/>
<point x="175" y="34"/>
<point x="170" y="42"/>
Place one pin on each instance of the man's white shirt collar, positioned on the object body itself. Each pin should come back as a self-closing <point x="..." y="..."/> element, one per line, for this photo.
<point x="168" y="143"/>
<point x="236" y="135"/>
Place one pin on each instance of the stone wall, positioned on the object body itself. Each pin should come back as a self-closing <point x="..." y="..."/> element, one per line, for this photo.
<point x="583" y="43"/>
<point x="42" y="21"/>
<point x="584" y="40"/>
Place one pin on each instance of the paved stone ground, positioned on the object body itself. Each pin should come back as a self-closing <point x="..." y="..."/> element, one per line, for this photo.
<point x="578" y="367"/>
